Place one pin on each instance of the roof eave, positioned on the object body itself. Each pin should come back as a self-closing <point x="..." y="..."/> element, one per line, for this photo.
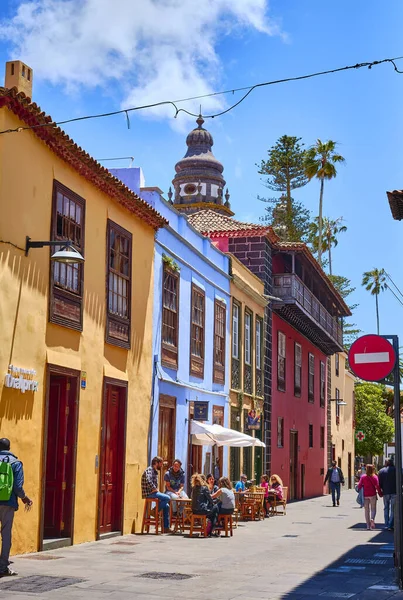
<point x="396" y="204"/>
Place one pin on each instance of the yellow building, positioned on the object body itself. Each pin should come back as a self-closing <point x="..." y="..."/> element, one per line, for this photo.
<point x="343" y="417"/>
<point x="247" y="368"/>
<point x="75" y="339"/>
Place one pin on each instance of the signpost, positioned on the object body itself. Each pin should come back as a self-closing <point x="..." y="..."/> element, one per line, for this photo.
<point x="360" y="436"/>
<point x="373" y="358"/>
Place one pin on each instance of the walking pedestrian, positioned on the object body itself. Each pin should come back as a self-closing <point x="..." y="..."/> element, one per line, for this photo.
<point x="335" y="478"/>
<point x="149" y="489"/>
<point x="370" y="483"/>
<point x="387" y="483"/>
<point x="11" y="488"/>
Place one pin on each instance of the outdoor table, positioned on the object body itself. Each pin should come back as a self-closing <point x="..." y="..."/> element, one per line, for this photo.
<point x="182" y="509"/>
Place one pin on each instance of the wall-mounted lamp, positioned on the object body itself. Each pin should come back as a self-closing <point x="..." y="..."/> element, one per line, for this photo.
<point x="67" y="253"/>
<point x="272" y="298"/>
<point x="340" y="401"/>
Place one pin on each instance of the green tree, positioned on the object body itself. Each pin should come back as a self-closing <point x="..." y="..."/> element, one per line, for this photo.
<point x="331" y="228"/>
<point x="284" y="171"/>
<point x="372" y="419"/>
<point x="294" y="230"/>
<point x="320" y="162"/>
<point x="350" y="330"/>
<point x="375" y="282"/>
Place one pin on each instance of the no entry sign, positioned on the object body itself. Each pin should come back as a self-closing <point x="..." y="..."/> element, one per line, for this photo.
<point x="372" y="358"/>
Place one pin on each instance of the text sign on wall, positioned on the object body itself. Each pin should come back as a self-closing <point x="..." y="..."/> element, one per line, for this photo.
<point x="200" y="411"/>
<point x="21" y="379"/>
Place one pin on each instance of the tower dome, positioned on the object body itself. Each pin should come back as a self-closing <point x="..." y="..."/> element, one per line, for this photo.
<point x="199" y="183"/>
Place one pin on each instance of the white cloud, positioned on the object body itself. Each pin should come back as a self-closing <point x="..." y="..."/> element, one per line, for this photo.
<point x="153" y="49"/>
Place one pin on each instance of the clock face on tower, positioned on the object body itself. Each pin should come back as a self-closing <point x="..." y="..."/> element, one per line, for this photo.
<point x="189" y="188"/>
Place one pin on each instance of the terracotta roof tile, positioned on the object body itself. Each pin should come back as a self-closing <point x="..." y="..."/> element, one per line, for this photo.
<point x="396" y="204"/>
<point x="214" y="224"/>
<point x="65" y="148"/>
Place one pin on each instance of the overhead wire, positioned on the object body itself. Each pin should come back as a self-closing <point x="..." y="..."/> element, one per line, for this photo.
<point x="391" y="280"/>
<point x="174" y="103"/>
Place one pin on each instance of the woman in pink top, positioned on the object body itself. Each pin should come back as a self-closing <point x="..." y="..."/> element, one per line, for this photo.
<point x="264" y="483"/>
<point x="370" y="483"/>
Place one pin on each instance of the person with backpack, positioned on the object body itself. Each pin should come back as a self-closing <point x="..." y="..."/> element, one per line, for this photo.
<point x="370" y="483"/>
<point x="11" y="488"/>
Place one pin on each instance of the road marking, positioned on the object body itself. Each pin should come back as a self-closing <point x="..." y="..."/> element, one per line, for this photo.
<point x="371" y="357"/>
<point x="388" y="588"/>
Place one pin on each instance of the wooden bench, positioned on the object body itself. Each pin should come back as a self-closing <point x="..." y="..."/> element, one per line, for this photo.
<point x="226" y="524"/>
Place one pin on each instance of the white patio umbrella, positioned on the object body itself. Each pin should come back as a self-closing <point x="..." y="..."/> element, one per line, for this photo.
<point x="210" y="435"/>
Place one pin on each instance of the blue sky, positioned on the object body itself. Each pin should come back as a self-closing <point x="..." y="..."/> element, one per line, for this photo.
<point x="105" y="61"/>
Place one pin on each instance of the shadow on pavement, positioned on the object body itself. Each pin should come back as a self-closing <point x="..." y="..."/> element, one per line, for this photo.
<point x="356" y="572"/>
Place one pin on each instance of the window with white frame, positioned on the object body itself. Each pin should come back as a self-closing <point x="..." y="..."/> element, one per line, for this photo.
<point x="258" y="343"/>
<point x="248" y="321"/>
<point x="235" y="330"/>
<point x="297" y="369"/>
<point x="311" y="377"/>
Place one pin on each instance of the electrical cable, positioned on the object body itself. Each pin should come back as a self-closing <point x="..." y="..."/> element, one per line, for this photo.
<point x="397" y="298"/>
<point x="391" y="280"/>
<point x="11" y="244"/>
<point x="250" y="89"/>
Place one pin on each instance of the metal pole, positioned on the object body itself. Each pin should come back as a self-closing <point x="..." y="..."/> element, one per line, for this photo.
<point x="398" y="462"/>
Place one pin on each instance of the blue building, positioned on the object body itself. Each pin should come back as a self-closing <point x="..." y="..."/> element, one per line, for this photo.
<point x="190" y="333"/>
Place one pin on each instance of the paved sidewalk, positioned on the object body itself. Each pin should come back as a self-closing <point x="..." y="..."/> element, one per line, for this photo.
<point x="315" y="551"/>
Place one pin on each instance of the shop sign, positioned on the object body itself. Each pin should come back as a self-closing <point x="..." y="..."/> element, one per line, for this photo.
<point x="254" y="418"/>
<point x="21" y="379"/>
<point x="200" y="411"/>
<point x="83" y="380"/>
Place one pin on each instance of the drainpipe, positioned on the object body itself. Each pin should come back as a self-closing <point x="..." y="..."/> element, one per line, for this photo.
<point x="151" y="419"/>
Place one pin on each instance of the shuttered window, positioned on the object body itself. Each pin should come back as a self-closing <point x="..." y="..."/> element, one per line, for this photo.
<point x="281" y="358"/>
<point x="297" y="369"/>
<point x="170" y="317"/>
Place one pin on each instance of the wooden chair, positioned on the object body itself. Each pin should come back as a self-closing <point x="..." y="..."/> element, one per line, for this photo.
<point x="282" y="503"/>
<point x="151" y="516"/>
<point x="255" y="499"/>
<point x="226" y="524"/>
<point x="198" y="523"/>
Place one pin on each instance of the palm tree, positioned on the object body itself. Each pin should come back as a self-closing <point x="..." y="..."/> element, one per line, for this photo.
<point x="330" y="231"/>
<point x="320" y="161"/>
<point x="375" y="282"/>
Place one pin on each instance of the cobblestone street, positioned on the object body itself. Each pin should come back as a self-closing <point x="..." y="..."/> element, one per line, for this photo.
<point x="315" y="551"/>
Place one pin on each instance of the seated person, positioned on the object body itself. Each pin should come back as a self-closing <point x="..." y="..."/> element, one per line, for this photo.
<point x="240" y="485"/>
<point x="211" y="483"/>
<point x="225" y="495"/>
<point x="264" y="483"/>
<point x="275" y="489"/>
<point x="175" y="482"/>
<point x="202" y="502"/>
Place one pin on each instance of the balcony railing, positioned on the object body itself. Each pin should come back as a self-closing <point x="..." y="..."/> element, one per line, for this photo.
<point x="289" y="287"/>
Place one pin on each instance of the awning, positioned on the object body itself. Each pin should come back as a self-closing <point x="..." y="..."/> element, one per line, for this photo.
<point x="210" y="435"/>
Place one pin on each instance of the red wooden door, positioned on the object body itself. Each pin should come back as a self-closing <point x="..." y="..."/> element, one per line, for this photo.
<point x="112" y="454"/>
<point x="60" y="452"/>
<point x="166" y="434"/>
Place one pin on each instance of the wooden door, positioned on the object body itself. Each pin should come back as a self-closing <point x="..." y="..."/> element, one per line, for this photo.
<point x="302" y="481"/>
<point x="293" y="465"/>
<point x="218" y="451"/>
<point x="166" y="434"/>
<point x="60" y="456"/>
<point x="112" y="459"/>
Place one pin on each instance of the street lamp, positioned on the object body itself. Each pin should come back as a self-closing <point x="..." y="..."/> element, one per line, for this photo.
<point x="67" y="253"/>
<point x="340" y="401"/>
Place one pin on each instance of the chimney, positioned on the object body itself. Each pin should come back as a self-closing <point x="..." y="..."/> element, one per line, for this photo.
<point x="19" y="75"/>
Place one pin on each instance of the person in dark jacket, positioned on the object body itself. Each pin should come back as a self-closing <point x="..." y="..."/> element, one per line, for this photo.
<point x="335" y="478"/>
<point x="387" y="483"/>
<point x="8" y="507"/>
<point x="202" y="502"/>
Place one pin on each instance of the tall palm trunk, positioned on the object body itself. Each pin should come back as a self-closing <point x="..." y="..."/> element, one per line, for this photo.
<point x="329" y="247"/>
<point x="320" y="221"/>
<point x="377" y="313"/>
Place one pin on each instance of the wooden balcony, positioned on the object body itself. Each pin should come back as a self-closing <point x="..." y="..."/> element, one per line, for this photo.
<point x="303" y="311"/>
